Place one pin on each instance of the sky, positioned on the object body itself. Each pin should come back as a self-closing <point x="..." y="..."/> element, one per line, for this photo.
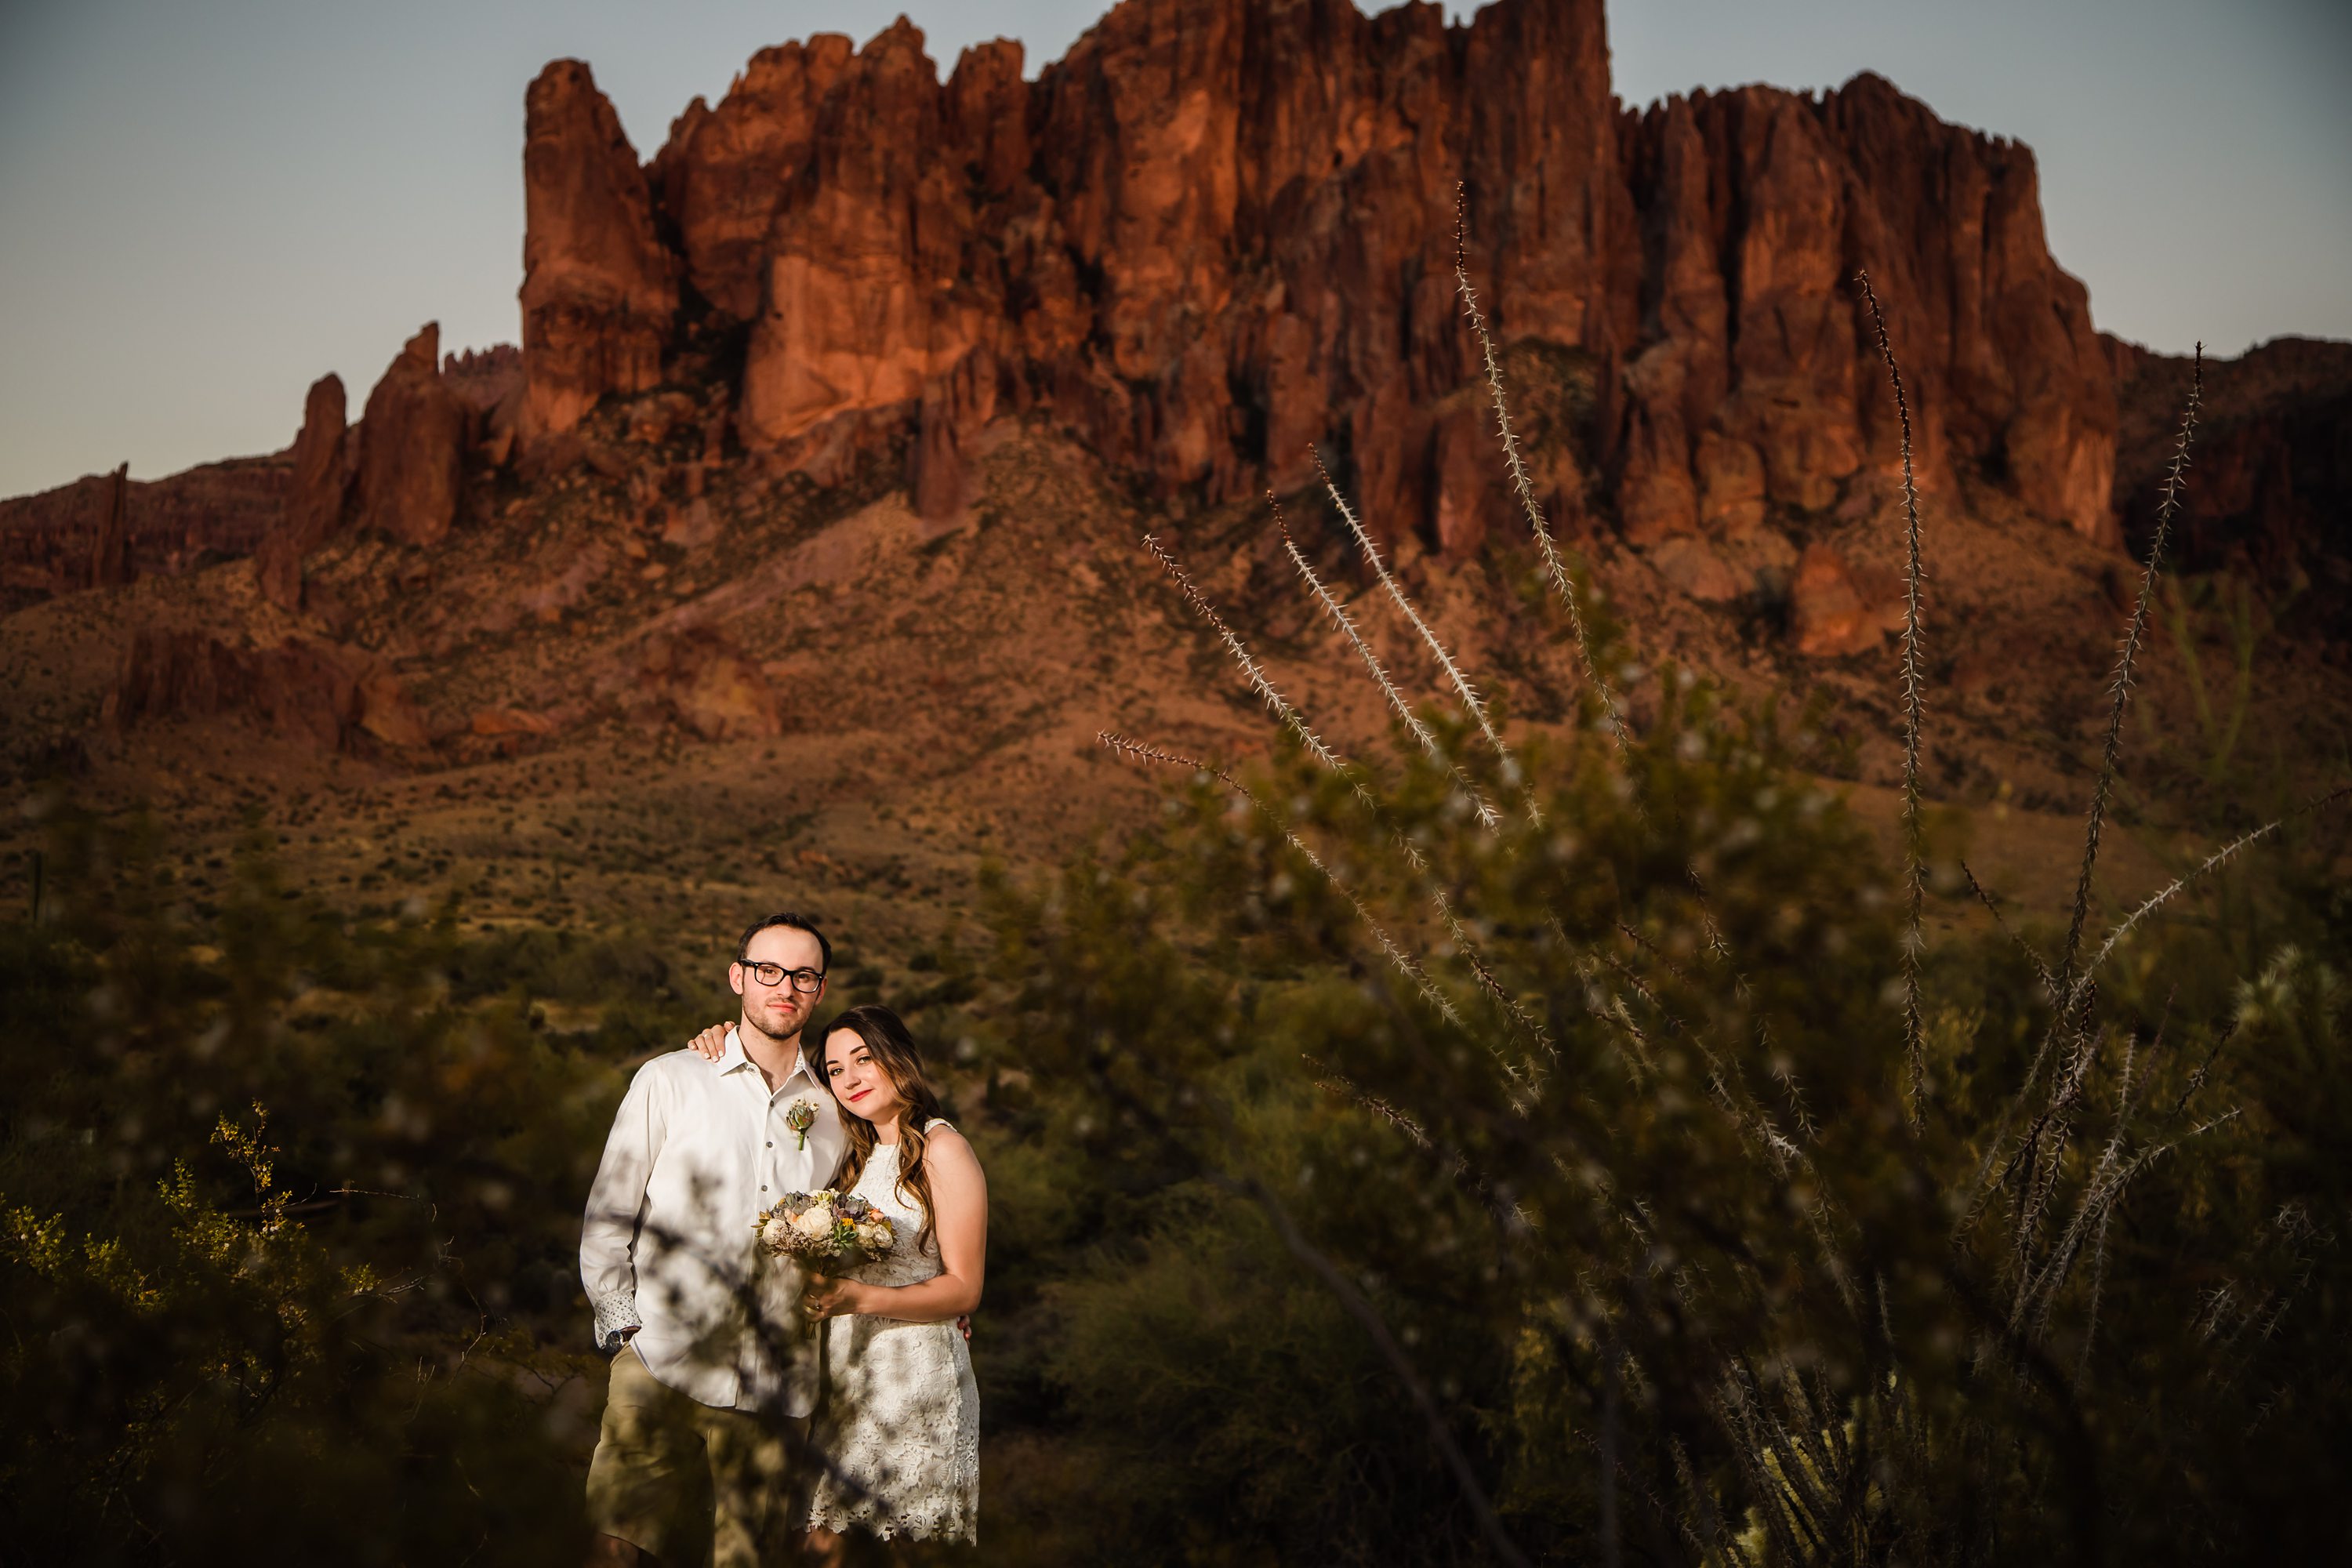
<point x="205" y="204"/>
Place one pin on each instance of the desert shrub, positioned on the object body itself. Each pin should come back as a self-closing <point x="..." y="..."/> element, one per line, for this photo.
<point x="1186" y="1377"/>
<point x="1693" y="1207"/>
<point x="1671" y="1256"/>
<point x="289" y="1230"/>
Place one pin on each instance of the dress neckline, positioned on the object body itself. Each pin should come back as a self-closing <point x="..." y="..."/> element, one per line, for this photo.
<point x="935" y="1124"/>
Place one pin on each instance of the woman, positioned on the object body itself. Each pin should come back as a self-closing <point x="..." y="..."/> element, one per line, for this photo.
<point x="900" y="1426"/>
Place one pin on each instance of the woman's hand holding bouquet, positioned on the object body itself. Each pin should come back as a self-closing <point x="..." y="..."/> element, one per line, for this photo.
<point x="826" y="1231"/>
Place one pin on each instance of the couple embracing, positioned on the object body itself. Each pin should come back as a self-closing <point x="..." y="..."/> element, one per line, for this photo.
<point x="716" y="1443"/>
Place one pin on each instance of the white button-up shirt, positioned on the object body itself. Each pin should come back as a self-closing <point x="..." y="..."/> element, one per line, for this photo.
<point x="698" y="1148"/>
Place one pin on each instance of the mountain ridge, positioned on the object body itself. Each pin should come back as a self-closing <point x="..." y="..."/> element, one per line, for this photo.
<point x="672" y="538"/>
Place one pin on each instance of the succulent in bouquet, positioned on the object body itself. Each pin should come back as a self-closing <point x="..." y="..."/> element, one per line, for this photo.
<point x="824" y="1231"/>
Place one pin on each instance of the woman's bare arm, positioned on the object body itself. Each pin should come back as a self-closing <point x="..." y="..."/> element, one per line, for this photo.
<point x="960" y="1219"/>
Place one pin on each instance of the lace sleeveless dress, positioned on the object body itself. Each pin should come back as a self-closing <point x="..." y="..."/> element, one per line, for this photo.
<point x="900" y="1419"/>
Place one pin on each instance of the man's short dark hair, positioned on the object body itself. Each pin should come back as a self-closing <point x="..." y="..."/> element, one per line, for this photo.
<point x="791" y="921"/>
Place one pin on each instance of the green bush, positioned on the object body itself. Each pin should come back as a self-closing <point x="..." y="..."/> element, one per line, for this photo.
<point x="1650" y="1222"/>
<point x="290" y="1229"/>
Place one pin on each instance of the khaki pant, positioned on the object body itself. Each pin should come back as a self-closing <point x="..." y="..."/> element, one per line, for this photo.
<point x="673" y="1475"/>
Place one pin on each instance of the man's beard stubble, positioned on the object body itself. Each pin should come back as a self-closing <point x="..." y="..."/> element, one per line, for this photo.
<point x="778" y="1022"/>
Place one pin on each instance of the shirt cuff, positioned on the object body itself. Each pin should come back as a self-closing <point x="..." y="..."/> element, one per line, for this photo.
<point x="616" y="1311"/>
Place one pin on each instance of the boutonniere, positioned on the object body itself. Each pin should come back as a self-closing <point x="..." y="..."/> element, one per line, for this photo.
<point x="800" y="1118"/>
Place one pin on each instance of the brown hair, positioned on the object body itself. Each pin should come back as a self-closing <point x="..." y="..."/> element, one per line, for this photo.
<point x="893" y="1050"/>
<point x="795" y="922"/>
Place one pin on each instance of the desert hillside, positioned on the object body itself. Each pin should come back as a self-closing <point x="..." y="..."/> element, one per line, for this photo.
<point x="799" y="544"/>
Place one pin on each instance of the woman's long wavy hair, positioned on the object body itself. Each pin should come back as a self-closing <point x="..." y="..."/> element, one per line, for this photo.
<point x="885" y="1034"/>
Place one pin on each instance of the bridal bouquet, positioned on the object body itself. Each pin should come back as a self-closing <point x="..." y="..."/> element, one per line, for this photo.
<point x="827" y="1231"/>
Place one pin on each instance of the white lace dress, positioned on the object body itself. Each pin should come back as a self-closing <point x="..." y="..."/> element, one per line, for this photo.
<point x="899" y="1424"/>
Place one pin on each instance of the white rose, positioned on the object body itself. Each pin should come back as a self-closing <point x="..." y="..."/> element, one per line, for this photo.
<point x="814" y="1223"/>
<point x="775" y="1234"/>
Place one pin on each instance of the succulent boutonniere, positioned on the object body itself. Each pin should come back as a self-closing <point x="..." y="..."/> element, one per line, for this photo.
<point x="800" y="1118"/>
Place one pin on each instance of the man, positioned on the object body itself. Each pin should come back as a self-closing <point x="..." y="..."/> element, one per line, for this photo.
<point x="707" y="1393"/>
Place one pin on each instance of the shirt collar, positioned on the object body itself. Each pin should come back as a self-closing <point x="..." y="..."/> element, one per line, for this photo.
<point x="735" y="1058"/>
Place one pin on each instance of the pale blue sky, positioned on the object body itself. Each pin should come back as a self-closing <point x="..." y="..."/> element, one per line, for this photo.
<point x="205" y="204"/>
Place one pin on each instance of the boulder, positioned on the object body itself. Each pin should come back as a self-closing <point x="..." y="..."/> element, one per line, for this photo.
<point x="1834" y="609"/>
<point x="322" y="693"/>
<point x="504" y="723"/>
<point x="697" y="679"/>
<point x="1695" y="570"/>
<point x="382" y="707"/>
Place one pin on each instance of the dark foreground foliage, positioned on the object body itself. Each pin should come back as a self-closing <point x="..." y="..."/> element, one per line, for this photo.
<point x="1287" y="1263"/>
<point x="286" y="1228"/>
<point x="1664" y="1251"/>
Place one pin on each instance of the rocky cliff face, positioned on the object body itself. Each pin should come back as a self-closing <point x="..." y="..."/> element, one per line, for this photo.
<point x="50" y="541"/>
<point x="413" y="446"/>
<point x="320" y="692"/>
<point x="2270" y="480"/>
<point x="598" y="300"/>
<point x="1219" y="233"/>
<point x="1220" y="230"/>
<point x="315" y="501"/>
<point x="1753" y="378"/>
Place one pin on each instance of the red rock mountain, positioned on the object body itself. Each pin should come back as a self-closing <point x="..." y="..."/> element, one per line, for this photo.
<point x="1220" y="230"/>
<point x="1218" y="233"/>
<point x="835" y="423"/>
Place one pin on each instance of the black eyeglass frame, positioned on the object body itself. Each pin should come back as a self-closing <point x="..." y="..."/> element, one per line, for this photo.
<point x="814" y="977"/>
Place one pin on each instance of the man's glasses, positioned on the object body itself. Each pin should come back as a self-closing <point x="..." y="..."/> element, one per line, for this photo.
<point x="775" y="973"/>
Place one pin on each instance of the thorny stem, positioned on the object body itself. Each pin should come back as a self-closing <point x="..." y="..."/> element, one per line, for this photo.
<point x="1341" y="619"/>
<point x="2041" y="965"/>
<point x="1555" y="566"/>
<point x="2107" y="1163"/>
<point x="2120" y="688"/>
<point x="1461" y="682"/>
<point x="1915" y="881"/>
<point x="1259" y="683"/>
<point x="1516" y="1014"/>
<point x="2163" y="895"/>
<point x="2070" y="990"/>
